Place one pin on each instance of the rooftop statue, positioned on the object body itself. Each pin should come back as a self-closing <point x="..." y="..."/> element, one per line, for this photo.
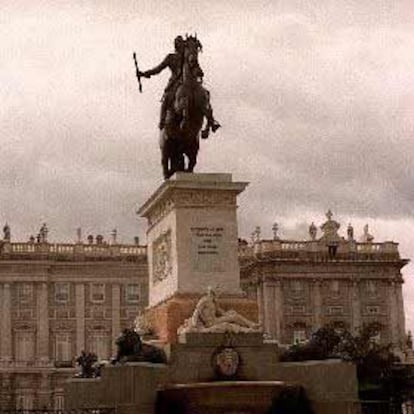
<point x="367" y="237"/>
<point x="208" y="316"/>
<point x="185" y="104"/>
<point x="6" y="232"/>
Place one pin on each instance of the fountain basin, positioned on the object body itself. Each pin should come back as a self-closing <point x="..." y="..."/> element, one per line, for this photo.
<point x="224" y="397"/>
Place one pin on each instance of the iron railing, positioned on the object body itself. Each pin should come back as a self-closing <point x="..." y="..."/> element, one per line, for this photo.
<point x="100" y="410"/>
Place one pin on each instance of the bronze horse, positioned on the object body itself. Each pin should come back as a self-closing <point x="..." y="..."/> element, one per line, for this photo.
<point x="179" y="139"/>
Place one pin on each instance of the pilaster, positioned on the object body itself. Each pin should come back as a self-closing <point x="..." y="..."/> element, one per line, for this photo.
<point x="317" y="304"/>
<point x="44" y="391"/>
<point x="80" y="317"/>
<point x="6" y="328"/>
<point x="6" y="392"/>
<point x="278" y="309"/>
<point x="269" y="325"/>
<point x="116" y="314"/>
<point x="401" y="314"/>
<point x="42" y="323"/>
<point x="393" y="312"/>
<point x="356" y="307"/>
<point x="260" y="302"/>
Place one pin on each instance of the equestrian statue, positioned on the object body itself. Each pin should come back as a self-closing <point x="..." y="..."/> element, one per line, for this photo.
<point x="185" y="105"/>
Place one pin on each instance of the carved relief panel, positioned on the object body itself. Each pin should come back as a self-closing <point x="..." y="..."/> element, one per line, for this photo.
<point x="161" y="258"/>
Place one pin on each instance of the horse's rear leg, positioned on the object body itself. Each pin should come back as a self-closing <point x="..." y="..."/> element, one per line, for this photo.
<point x="165" y="169"/>
<point x="192" y="161"/>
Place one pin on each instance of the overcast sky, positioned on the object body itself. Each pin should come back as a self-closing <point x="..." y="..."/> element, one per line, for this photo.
<point x="315" y="99"/>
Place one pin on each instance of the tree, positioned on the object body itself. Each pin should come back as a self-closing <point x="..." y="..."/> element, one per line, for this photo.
<point x="377" y="375"/>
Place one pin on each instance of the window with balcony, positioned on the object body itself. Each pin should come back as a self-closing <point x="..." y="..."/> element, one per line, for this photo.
<point x="296" y="286"/>
<point x="132" y="293"/>
<point x="25" y="292"/>
<point x="100" y="345"/>
<point x="97" y="292"/>
<point x="371" y="287"/>
<point x="24" y="346"/>
<point x="24" y="402"/>
<point x="59" y="402"/>
<point x="62" y="291"/>
<point x="63" y="355"/>
<point x="373" y="310"/>
<point x="334" y="288"/>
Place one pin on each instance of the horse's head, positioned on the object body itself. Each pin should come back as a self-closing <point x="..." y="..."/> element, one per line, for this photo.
<point x="193" y="44"/>
<point x="192" y="47"/>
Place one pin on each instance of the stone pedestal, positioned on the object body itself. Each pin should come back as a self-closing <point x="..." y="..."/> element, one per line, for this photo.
<point x="192" y="235"/>
<point x="192" y="244"/>
<point x="191" y="359"/>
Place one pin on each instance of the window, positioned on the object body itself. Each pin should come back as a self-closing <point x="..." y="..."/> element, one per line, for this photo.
<point x="132" y="293"/>
<point x="296" y="286"/>
<point x="298" y="309"/>
<point x="24" y="402"/>
<point x="335" y="310"/>
<point x="61" y="292"/>
<point x="100" y="346"/>
<point x="373" y="310"/>
<point x="24" y="346"/>
<point x="299" y="336"/>
<point x="335" y="288"/>
<point x="59" y="402"/>
<point x="371" y="287"/>
<point x="25" y="292"/>
<point x="63" y="348"/>
<point x="97" y="292"/>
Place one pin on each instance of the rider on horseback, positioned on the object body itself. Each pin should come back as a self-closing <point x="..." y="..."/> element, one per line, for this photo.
<point x="174" y="61"/>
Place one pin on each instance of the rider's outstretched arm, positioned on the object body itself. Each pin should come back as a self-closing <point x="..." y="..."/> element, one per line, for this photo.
<point x="155" y="71"/>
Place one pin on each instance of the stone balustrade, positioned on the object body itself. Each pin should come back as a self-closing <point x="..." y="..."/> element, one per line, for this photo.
<point x="346" y="250"/>
<point x="319" y="250"/>
<point x="69" y="250"/>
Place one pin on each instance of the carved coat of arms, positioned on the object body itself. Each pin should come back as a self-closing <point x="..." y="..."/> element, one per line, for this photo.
<point x="226" y="362"/>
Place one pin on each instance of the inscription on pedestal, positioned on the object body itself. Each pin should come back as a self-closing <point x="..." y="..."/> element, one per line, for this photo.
<point x="208" y="248"/>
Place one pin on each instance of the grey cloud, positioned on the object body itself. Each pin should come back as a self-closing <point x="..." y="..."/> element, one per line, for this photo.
<point x="310" y="99"/>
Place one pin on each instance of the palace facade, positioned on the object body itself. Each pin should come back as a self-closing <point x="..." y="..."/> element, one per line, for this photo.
<point x="59" y="299"/>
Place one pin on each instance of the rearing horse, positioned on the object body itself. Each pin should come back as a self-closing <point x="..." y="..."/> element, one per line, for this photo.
<point x="180" y="136"/>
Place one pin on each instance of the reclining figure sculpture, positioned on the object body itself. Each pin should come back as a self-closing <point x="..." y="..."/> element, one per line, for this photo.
<point x="208" y="316"/>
